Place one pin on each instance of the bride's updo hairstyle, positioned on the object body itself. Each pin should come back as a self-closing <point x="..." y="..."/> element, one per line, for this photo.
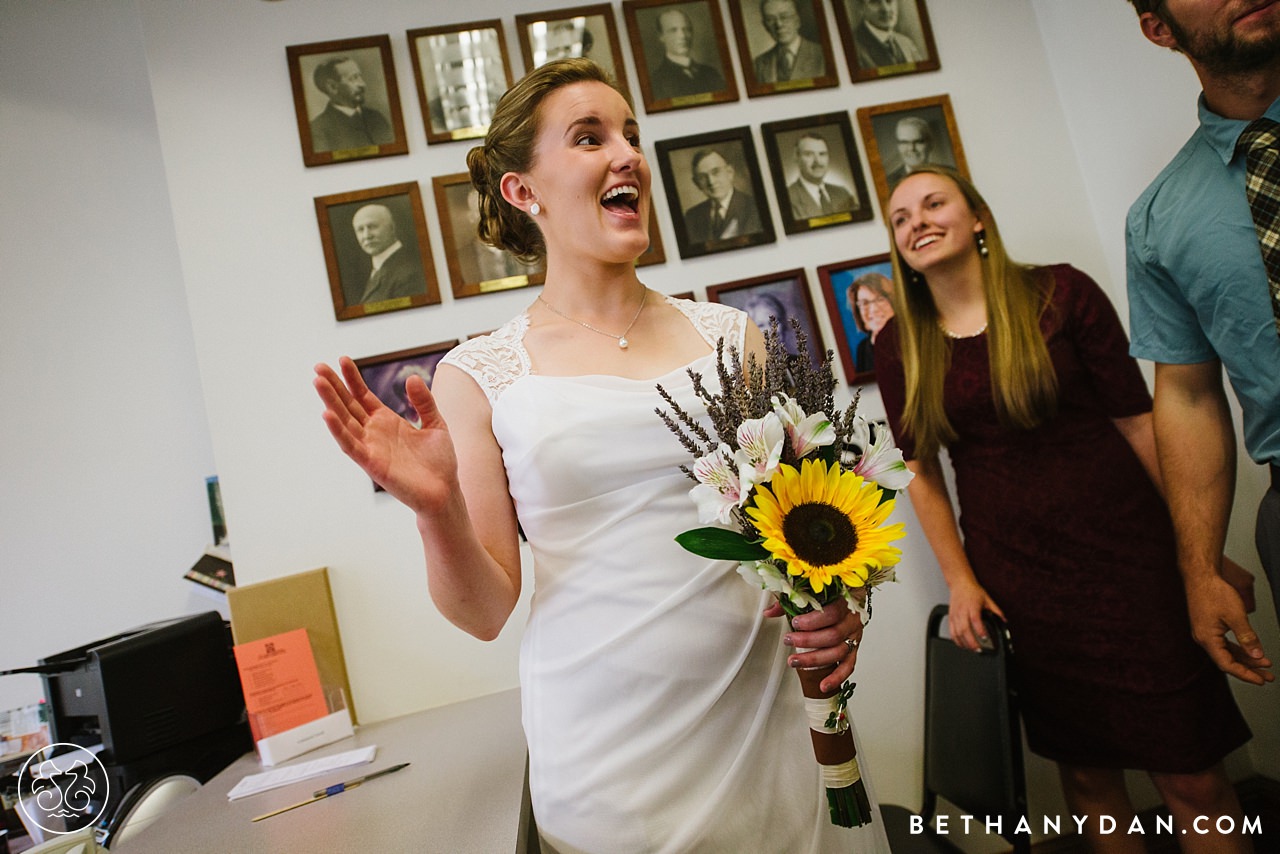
<point x="509" y="147"/>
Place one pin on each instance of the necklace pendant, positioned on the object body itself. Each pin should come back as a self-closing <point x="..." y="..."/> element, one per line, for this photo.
<point x="623" y="343"/>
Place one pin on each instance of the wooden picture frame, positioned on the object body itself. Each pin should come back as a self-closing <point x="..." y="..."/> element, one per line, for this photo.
<point x="858" y="295"/>
<point x="718" y="165"/>
<point x="332" y="79"/>
<point x="656" y="253"/>
<point x="903" y="133"/>
<point x="696" y="33"/>
<point x="893" y="39"/>
<point x="461" y="70"/>
<point x="578" y="31"/>
<point x="782" y="295"/>
<point x="475" y="267"/>
<point x="784" y="46"/>
<point x="385" y="375"/>
<point x="817" y="174"/>
<point x="353" y="230"/>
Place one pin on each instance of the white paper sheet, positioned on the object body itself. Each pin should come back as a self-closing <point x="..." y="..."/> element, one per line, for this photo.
<point x="283" y="776"/>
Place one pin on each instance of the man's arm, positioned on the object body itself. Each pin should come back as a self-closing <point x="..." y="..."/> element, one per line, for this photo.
<point x="1139" y="432"/>
<point x="1195" y="442"/>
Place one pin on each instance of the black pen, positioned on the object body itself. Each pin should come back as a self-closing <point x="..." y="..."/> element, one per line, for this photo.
<point x="335" y="789"/>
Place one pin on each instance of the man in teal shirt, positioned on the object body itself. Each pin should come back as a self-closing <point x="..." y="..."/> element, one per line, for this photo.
<point x="1199" y="300"/>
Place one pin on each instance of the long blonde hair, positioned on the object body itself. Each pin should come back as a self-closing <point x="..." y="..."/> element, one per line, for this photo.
<point x="1023" y="382"/>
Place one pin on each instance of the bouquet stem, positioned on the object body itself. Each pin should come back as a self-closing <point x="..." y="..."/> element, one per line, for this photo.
<point x="835" y="751"/>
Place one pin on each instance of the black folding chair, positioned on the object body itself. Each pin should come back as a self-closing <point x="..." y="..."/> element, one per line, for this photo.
<point x="972" y="743"/>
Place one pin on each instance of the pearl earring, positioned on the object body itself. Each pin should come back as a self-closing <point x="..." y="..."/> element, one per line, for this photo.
<point x="981" y="239"/>
<point x="535" y="209"/>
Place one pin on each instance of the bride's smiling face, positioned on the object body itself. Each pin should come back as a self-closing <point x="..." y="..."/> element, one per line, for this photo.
<point x="589" y="176"/>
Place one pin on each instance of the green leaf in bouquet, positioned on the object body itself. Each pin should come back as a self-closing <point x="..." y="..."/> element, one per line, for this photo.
<point x="721" y="544"/>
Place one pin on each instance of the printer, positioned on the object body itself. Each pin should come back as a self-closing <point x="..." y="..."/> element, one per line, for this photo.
<point x="163" y="699"/>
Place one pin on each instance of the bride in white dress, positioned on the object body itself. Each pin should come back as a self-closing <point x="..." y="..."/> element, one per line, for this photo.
<point x="658" y="703"/>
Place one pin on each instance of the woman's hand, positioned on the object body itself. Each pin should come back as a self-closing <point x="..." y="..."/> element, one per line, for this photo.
<point x="415" y="465"/>
<point x="968" y="601"/>
<point x="824" y="633"/>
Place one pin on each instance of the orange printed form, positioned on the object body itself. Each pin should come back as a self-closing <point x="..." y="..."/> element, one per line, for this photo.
<point x="281" y="683"/>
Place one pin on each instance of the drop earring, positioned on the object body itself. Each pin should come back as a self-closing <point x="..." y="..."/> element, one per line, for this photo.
<point x="981" y="238"/>
<point x="535" y="209"/>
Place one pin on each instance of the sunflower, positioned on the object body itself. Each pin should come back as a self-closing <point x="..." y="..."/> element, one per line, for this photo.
<point x="825" y="524"/>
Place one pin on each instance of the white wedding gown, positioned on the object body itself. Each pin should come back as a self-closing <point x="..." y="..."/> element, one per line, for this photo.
<point x="659" y="710"/>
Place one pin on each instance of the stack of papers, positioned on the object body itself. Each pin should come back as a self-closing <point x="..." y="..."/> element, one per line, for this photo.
<point x="255" y="783"/>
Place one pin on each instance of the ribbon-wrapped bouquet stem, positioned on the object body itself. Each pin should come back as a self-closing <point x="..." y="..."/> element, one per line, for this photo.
<point x="806" y="491"/>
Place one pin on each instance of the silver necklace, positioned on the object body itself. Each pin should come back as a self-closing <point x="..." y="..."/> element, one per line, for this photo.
<point x="957" y="336"/>
<point x="623" y="343"/>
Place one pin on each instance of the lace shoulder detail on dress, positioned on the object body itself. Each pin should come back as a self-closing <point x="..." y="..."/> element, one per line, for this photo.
<point x="495" y="360"/>
<point x="714" y="321"/>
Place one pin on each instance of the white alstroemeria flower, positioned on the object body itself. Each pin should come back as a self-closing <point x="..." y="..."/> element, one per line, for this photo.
<point x="718" y="490"/>
<point x="877" y="575"/>
<point x="759" y="450"/>
<point x="860" y="437"/>
<point x="773" y="579"/>
<point x="806" y="432"/>
<point x="881" y="461"/>
<point x="747" y="569"/>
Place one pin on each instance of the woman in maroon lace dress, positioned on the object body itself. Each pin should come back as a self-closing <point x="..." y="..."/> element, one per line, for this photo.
<point x="1023" y="375"/>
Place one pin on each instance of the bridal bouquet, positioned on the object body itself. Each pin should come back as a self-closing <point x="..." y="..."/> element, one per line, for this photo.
<point x="807" y="495"/>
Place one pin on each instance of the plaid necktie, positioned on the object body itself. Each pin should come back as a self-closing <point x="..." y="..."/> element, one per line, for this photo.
<point x="1262" y="187"/>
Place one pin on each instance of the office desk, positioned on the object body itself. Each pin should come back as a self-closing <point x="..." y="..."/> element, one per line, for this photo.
<point x="462" y="793"/>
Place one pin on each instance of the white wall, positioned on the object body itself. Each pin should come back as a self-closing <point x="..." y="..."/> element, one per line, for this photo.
<point x="235" y="226"/>
<point x="104" y="445"/>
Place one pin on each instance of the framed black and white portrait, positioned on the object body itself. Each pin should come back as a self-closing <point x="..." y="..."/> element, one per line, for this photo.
<point x="461" y="71"/>
<point x="681" y="53"/>
<point x="859" y="298"/>
<point x="475" y="267"/>
<point x="346" y="100"/>
<point x="781" y="296"/>
<point x="376" y="250"/>
<point x="904" y="135"/>
<point x="585" y="31"/>
<point x="817" y="175"/>
<point x="784" y="45"/>
<point x="715" y="192"/>
<point x="885" y="38"/>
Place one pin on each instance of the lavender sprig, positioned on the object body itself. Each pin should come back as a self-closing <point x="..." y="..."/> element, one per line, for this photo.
<point x="747" y="390"/>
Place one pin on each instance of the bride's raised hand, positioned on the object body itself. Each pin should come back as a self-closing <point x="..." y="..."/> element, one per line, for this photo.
<point x="415" y="465"/>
